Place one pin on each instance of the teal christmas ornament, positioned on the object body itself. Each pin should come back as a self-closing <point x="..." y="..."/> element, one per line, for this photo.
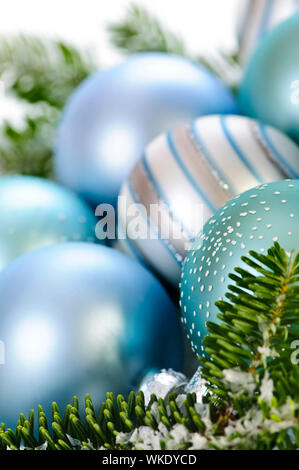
<point x="35" y="212"/>
<point x="114" y="114"/>
<point x="79" y="318"/>
<point x="270" y="89"/>
<point x="253" y="220"/>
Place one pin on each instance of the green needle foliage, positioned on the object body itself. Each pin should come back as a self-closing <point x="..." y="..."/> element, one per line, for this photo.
<point x="251" y="373"/>
<point x="38" y="75"/>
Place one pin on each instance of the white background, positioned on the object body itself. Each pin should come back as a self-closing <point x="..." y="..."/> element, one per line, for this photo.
<point x="203" y="24"/>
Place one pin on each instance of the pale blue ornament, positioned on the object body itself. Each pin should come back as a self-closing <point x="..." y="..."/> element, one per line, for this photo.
<point x="79" y="318"/>
<point x="35" y="212"/>
<point x="270" y="89"/>
<point x="114" y="114"/>
<point x="253" y="220"/>
<point x="256" y="18"/>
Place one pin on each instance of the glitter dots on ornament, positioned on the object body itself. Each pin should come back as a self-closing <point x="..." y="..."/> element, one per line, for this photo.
<point x="36" y="212"/>
<point x="253" y="220"/>
<point x="189" y="173"/>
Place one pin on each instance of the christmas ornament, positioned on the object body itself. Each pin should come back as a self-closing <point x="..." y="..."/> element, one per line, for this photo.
<point x="114" y="114"/>
<point x="253" y="220"/>
<point x="35" y="212"/>
<point x="79" y="318"/>
<point x="161" y="383"/>
<point x="257" y="17"/>
<point x="270" y="89"/>
<point x="197" y="385"/>
<point x="184" y="176"/>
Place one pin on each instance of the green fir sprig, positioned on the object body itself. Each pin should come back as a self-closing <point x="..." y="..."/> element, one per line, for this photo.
<point x="250" y="370"/>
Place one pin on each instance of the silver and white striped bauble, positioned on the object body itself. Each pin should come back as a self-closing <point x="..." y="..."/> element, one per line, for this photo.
<point x="256" y="18"/>
<point x="193" y="171"/>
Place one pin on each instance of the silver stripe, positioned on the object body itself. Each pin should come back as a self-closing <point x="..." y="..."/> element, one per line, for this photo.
<point x="265" y="149"/>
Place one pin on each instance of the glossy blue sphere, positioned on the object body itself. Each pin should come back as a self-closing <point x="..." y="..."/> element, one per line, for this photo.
<point x="79" y="318"/>
<point x="35" y="212"/>
<point x="270" y="89"/>
<point x="114" y="114"/>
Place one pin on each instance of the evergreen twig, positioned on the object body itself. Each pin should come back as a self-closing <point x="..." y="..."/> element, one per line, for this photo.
<point x="39" y="74"/>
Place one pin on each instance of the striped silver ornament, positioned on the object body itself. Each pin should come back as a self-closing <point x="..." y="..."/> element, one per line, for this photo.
<point x="185" y="175"/>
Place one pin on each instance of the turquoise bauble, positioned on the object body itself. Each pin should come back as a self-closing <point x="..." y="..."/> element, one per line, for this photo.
<point x="270" y="89"/>
<point x="35" y="212"/>
<point x="79" y="318"/>
<point x="253" y="220"/>
<point x="114" y="114"/>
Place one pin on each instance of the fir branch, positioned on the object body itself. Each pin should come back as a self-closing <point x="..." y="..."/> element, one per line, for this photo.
<point x="42" y="70"/>
<point x="28" y="150"/>
<point x="259" y="324"/>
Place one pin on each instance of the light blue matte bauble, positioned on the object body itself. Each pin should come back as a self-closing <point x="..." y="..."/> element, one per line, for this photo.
<point x="35" y="212"/>
<point x="79" y="318"/>
<point x="252" y="221"/>
<point x="270" y="89"/>
<point x="114" y="114"/>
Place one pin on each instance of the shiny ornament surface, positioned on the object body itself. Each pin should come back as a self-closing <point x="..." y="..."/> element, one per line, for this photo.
<point x="114" y="114"/>
<point x="256" y="18"/>
<point x="253" y="220"/>
<point x="270" y="89"/>
<point x="80" y="318"/>
<point x="197" y="385"/>
<point x="161" y="382"/>
<point x="35" y="212"/>
<point x="188" y="174"/>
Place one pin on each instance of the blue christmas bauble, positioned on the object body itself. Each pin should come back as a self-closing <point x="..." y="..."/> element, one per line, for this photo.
<point x="270" y="89"/>
<point x="253" y="220"/>
<point x="35" y="212"/>
<point x="79" y="318"/>
<point x="184" y="176"/>
<point x="114" y="114"/>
